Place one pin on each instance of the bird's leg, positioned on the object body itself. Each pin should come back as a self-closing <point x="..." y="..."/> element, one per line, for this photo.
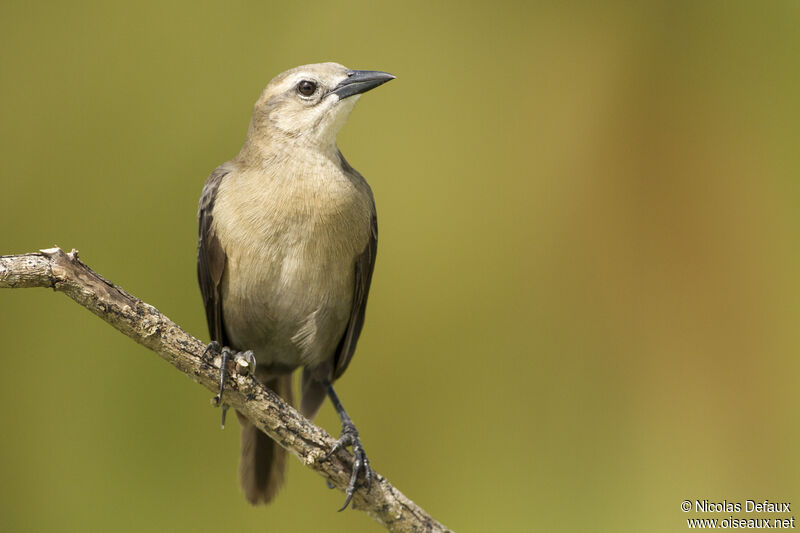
<point x="349" y="437"/>
<point x="245" y="364"/>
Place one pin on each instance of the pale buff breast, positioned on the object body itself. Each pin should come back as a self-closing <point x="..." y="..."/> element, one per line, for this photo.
<point x="288" y="282"/>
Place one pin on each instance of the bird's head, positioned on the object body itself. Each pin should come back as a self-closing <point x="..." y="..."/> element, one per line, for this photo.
<point x="308" y="105"/>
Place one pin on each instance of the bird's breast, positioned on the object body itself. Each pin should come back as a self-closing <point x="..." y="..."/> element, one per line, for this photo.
<point x="291" y="245"/>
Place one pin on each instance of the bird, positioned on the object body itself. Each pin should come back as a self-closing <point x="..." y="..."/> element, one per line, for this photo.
<point x="286" y="250"/>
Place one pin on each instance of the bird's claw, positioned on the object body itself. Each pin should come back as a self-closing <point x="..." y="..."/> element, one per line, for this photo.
<point x="244" y="364"/>
<point x="211" y="351"/>
<point x="349" y="437"/>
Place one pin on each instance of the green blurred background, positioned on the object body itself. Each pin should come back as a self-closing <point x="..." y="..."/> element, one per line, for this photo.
<point x="586" y="300"/>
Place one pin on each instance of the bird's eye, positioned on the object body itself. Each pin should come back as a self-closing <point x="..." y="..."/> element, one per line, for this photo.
<point x="306" y="88"/>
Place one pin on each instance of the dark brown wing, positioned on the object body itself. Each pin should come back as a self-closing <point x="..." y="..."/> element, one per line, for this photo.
<point x="365" y="264"/>
<point x="211" y="257"/>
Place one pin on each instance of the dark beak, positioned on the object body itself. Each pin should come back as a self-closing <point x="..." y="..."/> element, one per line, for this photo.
<point x="360" y="81"/>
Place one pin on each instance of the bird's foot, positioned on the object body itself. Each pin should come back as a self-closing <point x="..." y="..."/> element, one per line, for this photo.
<point x="244" y="364"/>
<point x="349" y="437"/>
<point x="211" y="352"/>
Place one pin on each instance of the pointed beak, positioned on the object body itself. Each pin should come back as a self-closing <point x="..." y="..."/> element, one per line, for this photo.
<point x="360" y="81"/>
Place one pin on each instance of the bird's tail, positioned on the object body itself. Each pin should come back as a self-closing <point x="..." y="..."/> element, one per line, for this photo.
<point x="263" y="461"/>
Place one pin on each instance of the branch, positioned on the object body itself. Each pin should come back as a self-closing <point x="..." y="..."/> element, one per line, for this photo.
<point x="143" y="323"/>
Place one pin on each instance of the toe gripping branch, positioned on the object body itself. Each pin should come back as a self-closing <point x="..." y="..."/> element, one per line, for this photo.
<point x="349" y="437"/>
<point x="245" y="363"/>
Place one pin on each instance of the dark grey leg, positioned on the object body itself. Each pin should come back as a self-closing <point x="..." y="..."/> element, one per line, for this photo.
<point x="349" y="437"/>
<point x="225" y="355"/>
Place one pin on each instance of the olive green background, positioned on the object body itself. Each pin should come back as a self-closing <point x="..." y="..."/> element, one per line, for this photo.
<point x="585" y="307"/>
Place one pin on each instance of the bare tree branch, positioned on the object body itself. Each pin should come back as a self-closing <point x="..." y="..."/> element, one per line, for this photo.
<point x="143" y="323"/>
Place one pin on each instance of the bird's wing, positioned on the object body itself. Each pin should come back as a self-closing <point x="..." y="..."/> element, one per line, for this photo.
<point x="211" y="257"/>
<point x="365" y="264"/>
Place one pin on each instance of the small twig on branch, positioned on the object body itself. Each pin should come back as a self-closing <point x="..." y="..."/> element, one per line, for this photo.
<point x="143" y="323"/>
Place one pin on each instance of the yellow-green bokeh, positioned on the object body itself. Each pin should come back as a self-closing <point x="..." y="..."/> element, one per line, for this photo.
<point x="586" y="300"/>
